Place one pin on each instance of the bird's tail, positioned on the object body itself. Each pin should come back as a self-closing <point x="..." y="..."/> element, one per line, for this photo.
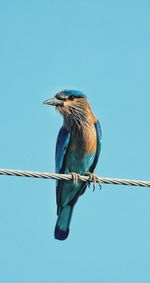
<point x="63" y="223"/>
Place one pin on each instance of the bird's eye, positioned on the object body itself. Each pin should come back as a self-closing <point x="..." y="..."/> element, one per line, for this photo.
<point x="59" y="97"/>
<point x="71" y="97"/>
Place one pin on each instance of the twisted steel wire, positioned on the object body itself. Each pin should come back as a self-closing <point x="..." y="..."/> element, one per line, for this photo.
<point x="95" y="179"/>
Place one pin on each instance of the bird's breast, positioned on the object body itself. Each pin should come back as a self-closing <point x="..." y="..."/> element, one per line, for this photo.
<point x="81" y="151"/>
<point x="84" y="142"/>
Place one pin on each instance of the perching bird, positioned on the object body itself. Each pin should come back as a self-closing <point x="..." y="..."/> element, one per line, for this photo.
<point x="77" y="150"/>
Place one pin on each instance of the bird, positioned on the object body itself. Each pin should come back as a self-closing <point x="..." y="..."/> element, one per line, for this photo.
<point x="77" y="151"/>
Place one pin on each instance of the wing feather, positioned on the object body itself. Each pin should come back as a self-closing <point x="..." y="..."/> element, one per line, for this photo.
<point x="99" y="144"/>
<point x="62" y="144"/>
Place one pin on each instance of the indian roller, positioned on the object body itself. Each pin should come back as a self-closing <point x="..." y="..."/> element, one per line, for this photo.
<point x="77" y="151"/>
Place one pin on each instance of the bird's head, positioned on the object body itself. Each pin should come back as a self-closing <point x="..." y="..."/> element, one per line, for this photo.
<point x="73" y="105"/>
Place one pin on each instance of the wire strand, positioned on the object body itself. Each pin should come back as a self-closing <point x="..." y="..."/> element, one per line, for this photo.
<point x="67" y="177"/>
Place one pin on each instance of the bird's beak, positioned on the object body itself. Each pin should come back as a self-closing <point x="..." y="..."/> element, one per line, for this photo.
<point x="53" y="101"/>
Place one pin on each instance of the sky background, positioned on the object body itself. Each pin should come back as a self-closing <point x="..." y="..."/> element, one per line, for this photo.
<point x="103" y="49"/>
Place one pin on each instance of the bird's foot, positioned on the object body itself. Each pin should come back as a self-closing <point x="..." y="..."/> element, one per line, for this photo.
<point x="93" y="178"/>
<point x="75" y="177"/>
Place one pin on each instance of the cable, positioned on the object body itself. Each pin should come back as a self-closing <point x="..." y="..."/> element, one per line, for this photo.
<point x="94" y="179"/>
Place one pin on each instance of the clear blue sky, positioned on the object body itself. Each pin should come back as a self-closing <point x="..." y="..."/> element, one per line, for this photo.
<point x="103" y="49"/>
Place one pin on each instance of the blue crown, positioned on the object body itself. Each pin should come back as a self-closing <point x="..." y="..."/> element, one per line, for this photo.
<point x="75" y="93"/>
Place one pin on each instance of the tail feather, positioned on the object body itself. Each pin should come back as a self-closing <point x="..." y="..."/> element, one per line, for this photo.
<point x="63" y="223"/>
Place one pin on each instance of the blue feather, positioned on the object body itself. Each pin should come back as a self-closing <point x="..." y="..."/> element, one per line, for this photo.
<point x="66" y="192"/>
<point x="99" y="144"/>
<point x="75" y="93"/>
<point x="61" y="147"/>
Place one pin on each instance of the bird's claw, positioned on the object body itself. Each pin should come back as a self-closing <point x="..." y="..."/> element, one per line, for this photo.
<point x="93" y="178"/>
<point x="75" y="177"/>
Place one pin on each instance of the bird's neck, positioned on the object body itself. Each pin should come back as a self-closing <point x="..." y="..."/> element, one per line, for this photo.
<point x="79" y="120"/>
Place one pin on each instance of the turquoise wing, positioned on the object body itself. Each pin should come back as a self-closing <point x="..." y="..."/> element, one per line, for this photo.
<point x="61" y="148"/>
<point x="62" y="144"/>
<point x="99" y="144"/>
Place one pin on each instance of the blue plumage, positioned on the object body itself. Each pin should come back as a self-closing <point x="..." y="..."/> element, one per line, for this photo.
<point x="99" y="144"/>
<point x="61" y="147"/>
<point x="66" y="192"/>
<point x="75" y="93"/>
